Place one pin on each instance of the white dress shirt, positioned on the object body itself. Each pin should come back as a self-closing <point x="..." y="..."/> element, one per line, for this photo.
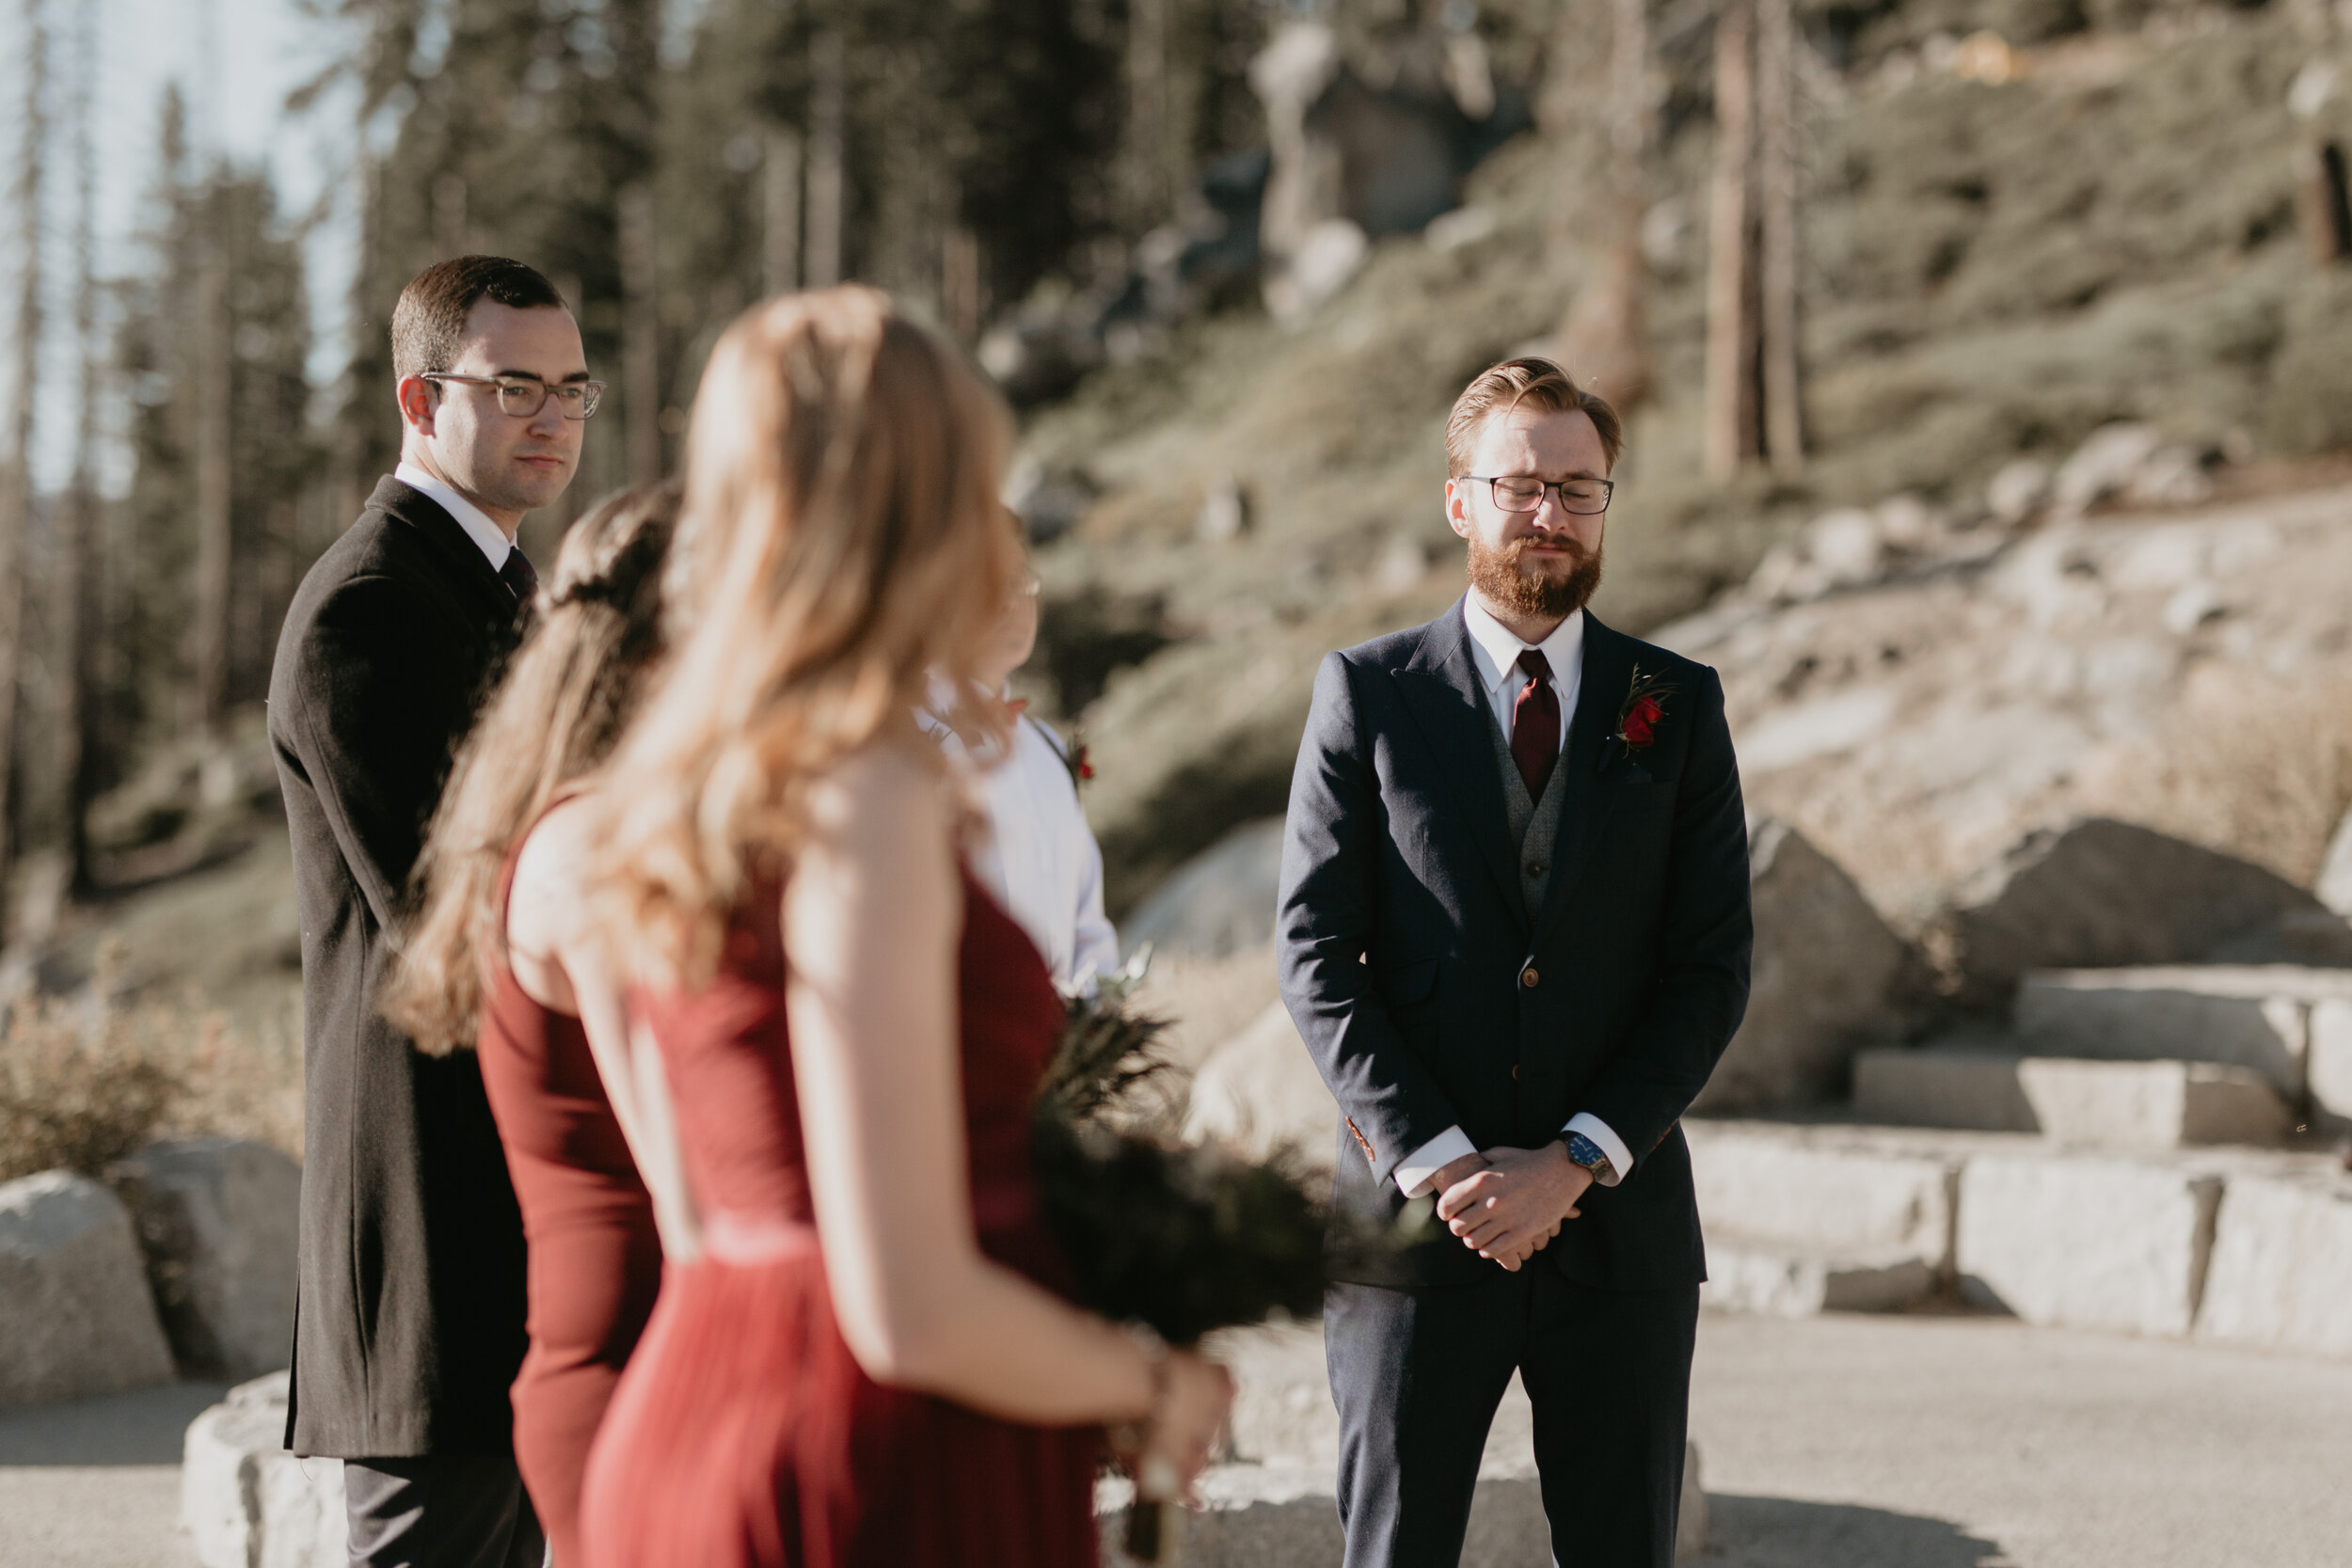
<point x="1040" y="859"/>
<point x="486" y="535"/>
<point x="1495" y="650"/>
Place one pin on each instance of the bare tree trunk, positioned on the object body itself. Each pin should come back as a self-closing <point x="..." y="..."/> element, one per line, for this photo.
<point x="780" y="190"/>
<point x="827" y="109"/>
<point x="16" y="504"/>
<point x="1606" y="339"/>
<point x="81" y="706"/>
<point x="1149" y="196"/>
<point x="960" y="302"/>
<point x="1775" y="101"/>
<point x="208" y="622"/>
<point x="641" y="335"/>
<point x="2321" y="202"/>
<point x="1731" y="433"/>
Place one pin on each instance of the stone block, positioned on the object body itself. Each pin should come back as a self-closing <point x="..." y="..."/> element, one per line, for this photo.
<point x="76" y="1318"/>
<point x="2334" y="882"/>
<point x="2099" y="1104"/>
<point x="1828" y="979"/>
<point x="2079" y="1241"/>
<point x="218" y="1219"/>
<point x="1261" y="1090"/>
<point x="2281" y="1271"/>
<point x="1943" y="1086"/>
<point x="1823" y="1190"/>
<point x="2102" y="892"/>
<point x="1746" y="1276"/>
<point x="246" y="1501"/>
<point x="2252" y="1016"/>
<point x="2328" y="1067"/>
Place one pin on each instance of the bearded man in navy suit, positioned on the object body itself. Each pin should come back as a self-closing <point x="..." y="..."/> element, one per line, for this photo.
<point x="1515" y="936"/>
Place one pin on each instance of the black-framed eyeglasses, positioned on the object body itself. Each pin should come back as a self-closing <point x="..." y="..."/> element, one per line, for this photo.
<point x="1584" y="497"/>
<point x="523" y="396"/>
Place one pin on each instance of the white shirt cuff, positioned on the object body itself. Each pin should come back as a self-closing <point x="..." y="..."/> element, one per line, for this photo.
<point x="1620" y="1158"/>
<point x="1419" y="1167"/>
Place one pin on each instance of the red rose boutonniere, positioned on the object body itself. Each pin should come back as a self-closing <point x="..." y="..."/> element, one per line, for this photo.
<point x="1638" y="719"/>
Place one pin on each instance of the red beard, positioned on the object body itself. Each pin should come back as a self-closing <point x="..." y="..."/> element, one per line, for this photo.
<point x="1498" y="578"/>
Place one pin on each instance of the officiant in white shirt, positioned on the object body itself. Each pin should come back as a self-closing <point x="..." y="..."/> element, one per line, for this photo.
<point x="1040" y="860"/>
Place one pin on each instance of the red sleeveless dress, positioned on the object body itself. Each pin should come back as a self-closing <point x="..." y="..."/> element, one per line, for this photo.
<point x="594" y="1261"/>
<point x="745" y="1433"/>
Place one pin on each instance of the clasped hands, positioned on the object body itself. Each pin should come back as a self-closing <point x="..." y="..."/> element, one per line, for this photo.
<point x="1508" y="1203"/>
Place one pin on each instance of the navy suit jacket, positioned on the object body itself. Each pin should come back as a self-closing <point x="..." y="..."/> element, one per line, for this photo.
<point x="1428" y="998"/>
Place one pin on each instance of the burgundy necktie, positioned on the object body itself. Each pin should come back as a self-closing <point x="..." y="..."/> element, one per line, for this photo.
<point x="518" y="574"/>
<point x="1535" y="724"/>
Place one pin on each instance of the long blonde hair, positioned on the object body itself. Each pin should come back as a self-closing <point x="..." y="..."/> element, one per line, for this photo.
<point x="555" y="716"/>
<point x="841" y="537"/>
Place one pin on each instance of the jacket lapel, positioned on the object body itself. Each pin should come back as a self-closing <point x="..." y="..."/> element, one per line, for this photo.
<point x="1589" y="795"/>
<point x="1440" y="688"/>
<point x="448" y="543"/>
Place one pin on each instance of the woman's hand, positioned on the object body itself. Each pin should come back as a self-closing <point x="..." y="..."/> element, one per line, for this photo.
<point x="1194" y="1396"/>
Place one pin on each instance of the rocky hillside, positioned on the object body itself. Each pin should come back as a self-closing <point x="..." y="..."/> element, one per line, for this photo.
<point x="2017" y="229"/>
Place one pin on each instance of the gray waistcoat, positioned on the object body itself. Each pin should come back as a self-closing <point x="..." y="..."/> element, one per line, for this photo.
<point x="1535" y="824"/>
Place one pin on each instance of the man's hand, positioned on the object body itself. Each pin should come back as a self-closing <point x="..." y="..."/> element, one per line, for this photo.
<point x="1455" y="1171"/>
<point x="1508" y="1210"/>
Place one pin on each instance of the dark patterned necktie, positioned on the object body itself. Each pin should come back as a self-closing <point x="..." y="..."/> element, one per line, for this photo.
<point x="1536" y="724"/>
<point x="518" y="574"/>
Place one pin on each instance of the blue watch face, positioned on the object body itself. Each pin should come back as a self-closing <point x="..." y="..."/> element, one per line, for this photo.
<point x="1585" y="1153"/>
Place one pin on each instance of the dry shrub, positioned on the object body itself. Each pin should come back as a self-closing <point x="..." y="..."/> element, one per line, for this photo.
<point x="2251" y="764"/>
<point x="86" y="1081"/>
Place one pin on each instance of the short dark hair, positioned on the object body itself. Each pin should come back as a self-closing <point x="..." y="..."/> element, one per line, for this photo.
<point x="429" y="322"/>
<point x="1529" y="379"/>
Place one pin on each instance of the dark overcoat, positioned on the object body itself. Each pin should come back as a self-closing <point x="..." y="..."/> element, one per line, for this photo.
<point x="1428" y="997"/>
<point x="409" y="1311"/>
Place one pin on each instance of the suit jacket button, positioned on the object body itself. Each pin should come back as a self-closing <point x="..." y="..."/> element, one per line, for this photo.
<point x="1535" y="868"/>
<point x="1528" y="977"/>
<point x="1514" y="1072"/>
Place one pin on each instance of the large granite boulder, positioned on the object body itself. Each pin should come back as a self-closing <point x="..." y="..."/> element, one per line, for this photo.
<point x="218" y="1220"/>
<point x="1261" y="1090"/>
<point x="246" y="1500"/>
<point x="1830" y="979"/>
<point x="76" y="1318"/>
<point x="2100" y="893"/>
<point x="1219" y="902"/>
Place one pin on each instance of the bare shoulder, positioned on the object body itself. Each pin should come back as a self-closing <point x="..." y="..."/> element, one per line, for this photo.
<point x="886" y="791"/>
<point x="548" y="901"/>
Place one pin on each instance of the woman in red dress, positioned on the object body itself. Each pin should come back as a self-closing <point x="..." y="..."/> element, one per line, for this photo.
<point x="870" y="1363"/>
<point x="496" y="951"/>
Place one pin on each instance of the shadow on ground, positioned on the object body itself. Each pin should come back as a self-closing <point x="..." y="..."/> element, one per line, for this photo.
<point x="144" y="1427"/>
<point x="1776" y="1533"/>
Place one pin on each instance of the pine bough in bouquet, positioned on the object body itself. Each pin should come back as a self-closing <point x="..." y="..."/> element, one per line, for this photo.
<point x="1185" y="1238"/>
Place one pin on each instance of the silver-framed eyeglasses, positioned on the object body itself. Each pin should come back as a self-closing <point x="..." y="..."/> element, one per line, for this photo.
<point x="523" y="396"/>
<point x="1584" y="497"/>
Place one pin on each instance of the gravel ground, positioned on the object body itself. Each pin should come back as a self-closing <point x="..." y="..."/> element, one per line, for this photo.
<point x="1839" y="1442"/>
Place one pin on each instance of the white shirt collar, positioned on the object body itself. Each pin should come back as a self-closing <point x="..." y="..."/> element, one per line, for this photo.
<point x="486" y="534"/>
<point x="1495" y="648"/>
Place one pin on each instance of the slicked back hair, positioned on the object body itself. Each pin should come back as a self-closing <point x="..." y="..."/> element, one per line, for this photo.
<point x="429" y="322"/>
<point x="1529" y="380"/>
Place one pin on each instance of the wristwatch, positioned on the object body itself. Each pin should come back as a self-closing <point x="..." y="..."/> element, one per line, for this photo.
<point x="1584" y="1151"/>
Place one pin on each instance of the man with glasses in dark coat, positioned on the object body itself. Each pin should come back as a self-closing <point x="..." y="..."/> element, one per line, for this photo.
<point x="409" y="1315"/>
<point x="1514" y="932"/>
